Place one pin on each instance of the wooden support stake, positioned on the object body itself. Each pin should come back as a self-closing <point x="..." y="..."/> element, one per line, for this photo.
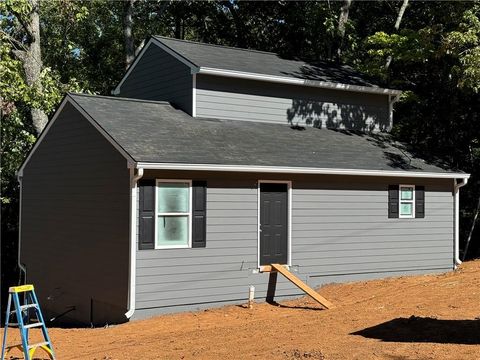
<point x="302" y="286"/>
<point x="272" y="286"/>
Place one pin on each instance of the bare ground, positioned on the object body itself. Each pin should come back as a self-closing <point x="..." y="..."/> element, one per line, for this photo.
<point x="418" y="317"/>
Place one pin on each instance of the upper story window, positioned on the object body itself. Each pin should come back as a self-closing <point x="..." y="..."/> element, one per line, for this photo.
<point x="407" y="201"/>
<point x="173" y="215"/>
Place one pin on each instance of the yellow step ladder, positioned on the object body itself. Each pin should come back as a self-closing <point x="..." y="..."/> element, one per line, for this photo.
<point x="21" y="313"/>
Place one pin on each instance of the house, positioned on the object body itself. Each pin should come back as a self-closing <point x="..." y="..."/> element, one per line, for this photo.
<point x="211" y="163"/>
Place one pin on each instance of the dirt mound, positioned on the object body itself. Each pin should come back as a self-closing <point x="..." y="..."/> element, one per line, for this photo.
<point x="418" y="317"/>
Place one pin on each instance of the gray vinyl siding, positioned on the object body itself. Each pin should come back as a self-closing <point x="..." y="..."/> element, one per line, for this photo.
<point x="249" y="100"/>
<point x="340" y="232"/>
<point x="344" y="230"/>
<point x="159" y="76"/>
<point x="75" y="224"/>
<point x="221" y="272"/>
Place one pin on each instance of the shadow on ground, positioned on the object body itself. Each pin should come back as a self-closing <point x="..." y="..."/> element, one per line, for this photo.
<point x="428" y="330"/>
<point x="274" y="303"/>
<point x="300" y="307"/>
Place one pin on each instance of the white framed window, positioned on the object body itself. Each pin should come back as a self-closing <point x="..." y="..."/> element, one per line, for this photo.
<point x="406" y="201"/>
<point x="173" y="214"/>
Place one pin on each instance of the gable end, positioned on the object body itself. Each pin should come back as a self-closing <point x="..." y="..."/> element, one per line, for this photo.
<point x="68" y="100"/>
<point x="150" y="43"/>
<point x="158" y="73"/>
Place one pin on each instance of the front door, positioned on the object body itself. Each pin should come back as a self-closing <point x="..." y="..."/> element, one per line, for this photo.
<point x="273" y="223"/>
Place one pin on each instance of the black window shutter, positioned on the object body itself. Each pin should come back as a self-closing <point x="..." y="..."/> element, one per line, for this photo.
<point x="420" y="201"/>
<point x="199" y="212"/>
<point x="146" y="214"/>
<point x="393" y="201"/>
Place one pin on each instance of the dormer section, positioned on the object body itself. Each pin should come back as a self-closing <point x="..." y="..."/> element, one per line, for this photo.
<point x="253" y="100"/>
<point x="210" y="81"/>
<point x="158" y="74"/>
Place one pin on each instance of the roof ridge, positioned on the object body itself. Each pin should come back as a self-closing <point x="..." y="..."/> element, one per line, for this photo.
<point x="158" y="102"/>
<point x="216" y="45"/>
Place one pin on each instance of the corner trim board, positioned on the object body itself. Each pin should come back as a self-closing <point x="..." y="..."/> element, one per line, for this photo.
<point x="299" y="170"/>
<point x="392" y="99"/>
<point x="194" y="95"/>
<point x="21" y="266"/>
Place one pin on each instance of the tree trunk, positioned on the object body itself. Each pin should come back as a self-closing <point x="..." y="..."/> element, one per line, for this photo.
<point x="32" y="63"/>
<point x="127" y="32"/>
<point x="397" y="26"/>
<point x="178" y="27"/>
<point x="400" y="14"/>
<point x="472" y="228"/>
<point x="342" y="22"/>
<point x="139" y="47"/>
<point x="239" y="25"/>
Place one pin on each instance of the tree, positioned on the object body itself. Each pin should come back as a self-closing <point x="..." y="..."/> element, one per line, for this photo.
<point x="28" y="51"/>
<point x="396" y="27"/>
<point x="342" y="22"/>
<point x="128" y="32"/>
<point x="464" y="44"/>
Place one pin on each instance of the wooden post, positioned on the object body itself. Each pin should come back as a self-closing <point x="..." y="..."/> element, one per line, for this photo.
<point x="272" y="286"/>
<point x="301" y="285"/>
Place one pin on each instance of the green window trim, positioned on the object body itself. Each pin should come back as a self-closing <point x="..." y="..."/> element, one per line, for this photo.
<point x="406" y="201"/>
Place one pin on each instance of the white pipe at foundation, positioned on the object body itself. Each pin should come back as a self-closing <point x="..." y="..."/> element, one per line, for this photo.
<point x="251" y="296"/>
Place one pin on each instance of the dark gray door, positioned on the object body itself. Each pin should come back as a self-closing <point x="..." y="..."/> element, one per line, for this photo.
<point x="273" y="223"/>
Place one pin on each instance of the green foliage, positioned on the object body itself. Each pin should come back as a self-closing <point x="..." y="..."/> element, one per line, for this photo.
<point x="83" y="42"/>
<point x="407" y="46"/>
<point x="17" y="96"/>
<point x="12" y="83"/>
<point x="464" y="43"/>
<point x="14" y="90"/>
<point x="17" y="8"/>
<point x="456" y="42"/>
<point x="16" y="141"/>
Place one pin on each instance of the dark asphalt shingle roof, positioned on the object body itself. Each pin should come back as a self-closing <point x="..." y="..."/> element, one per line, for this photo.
<point x="156" y="132"/>
<point x="260" y="62"/>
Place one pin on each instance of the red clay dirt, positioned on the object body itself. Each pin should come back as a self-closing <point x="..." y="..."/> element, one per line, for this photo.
<point x="417" y="317"/>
